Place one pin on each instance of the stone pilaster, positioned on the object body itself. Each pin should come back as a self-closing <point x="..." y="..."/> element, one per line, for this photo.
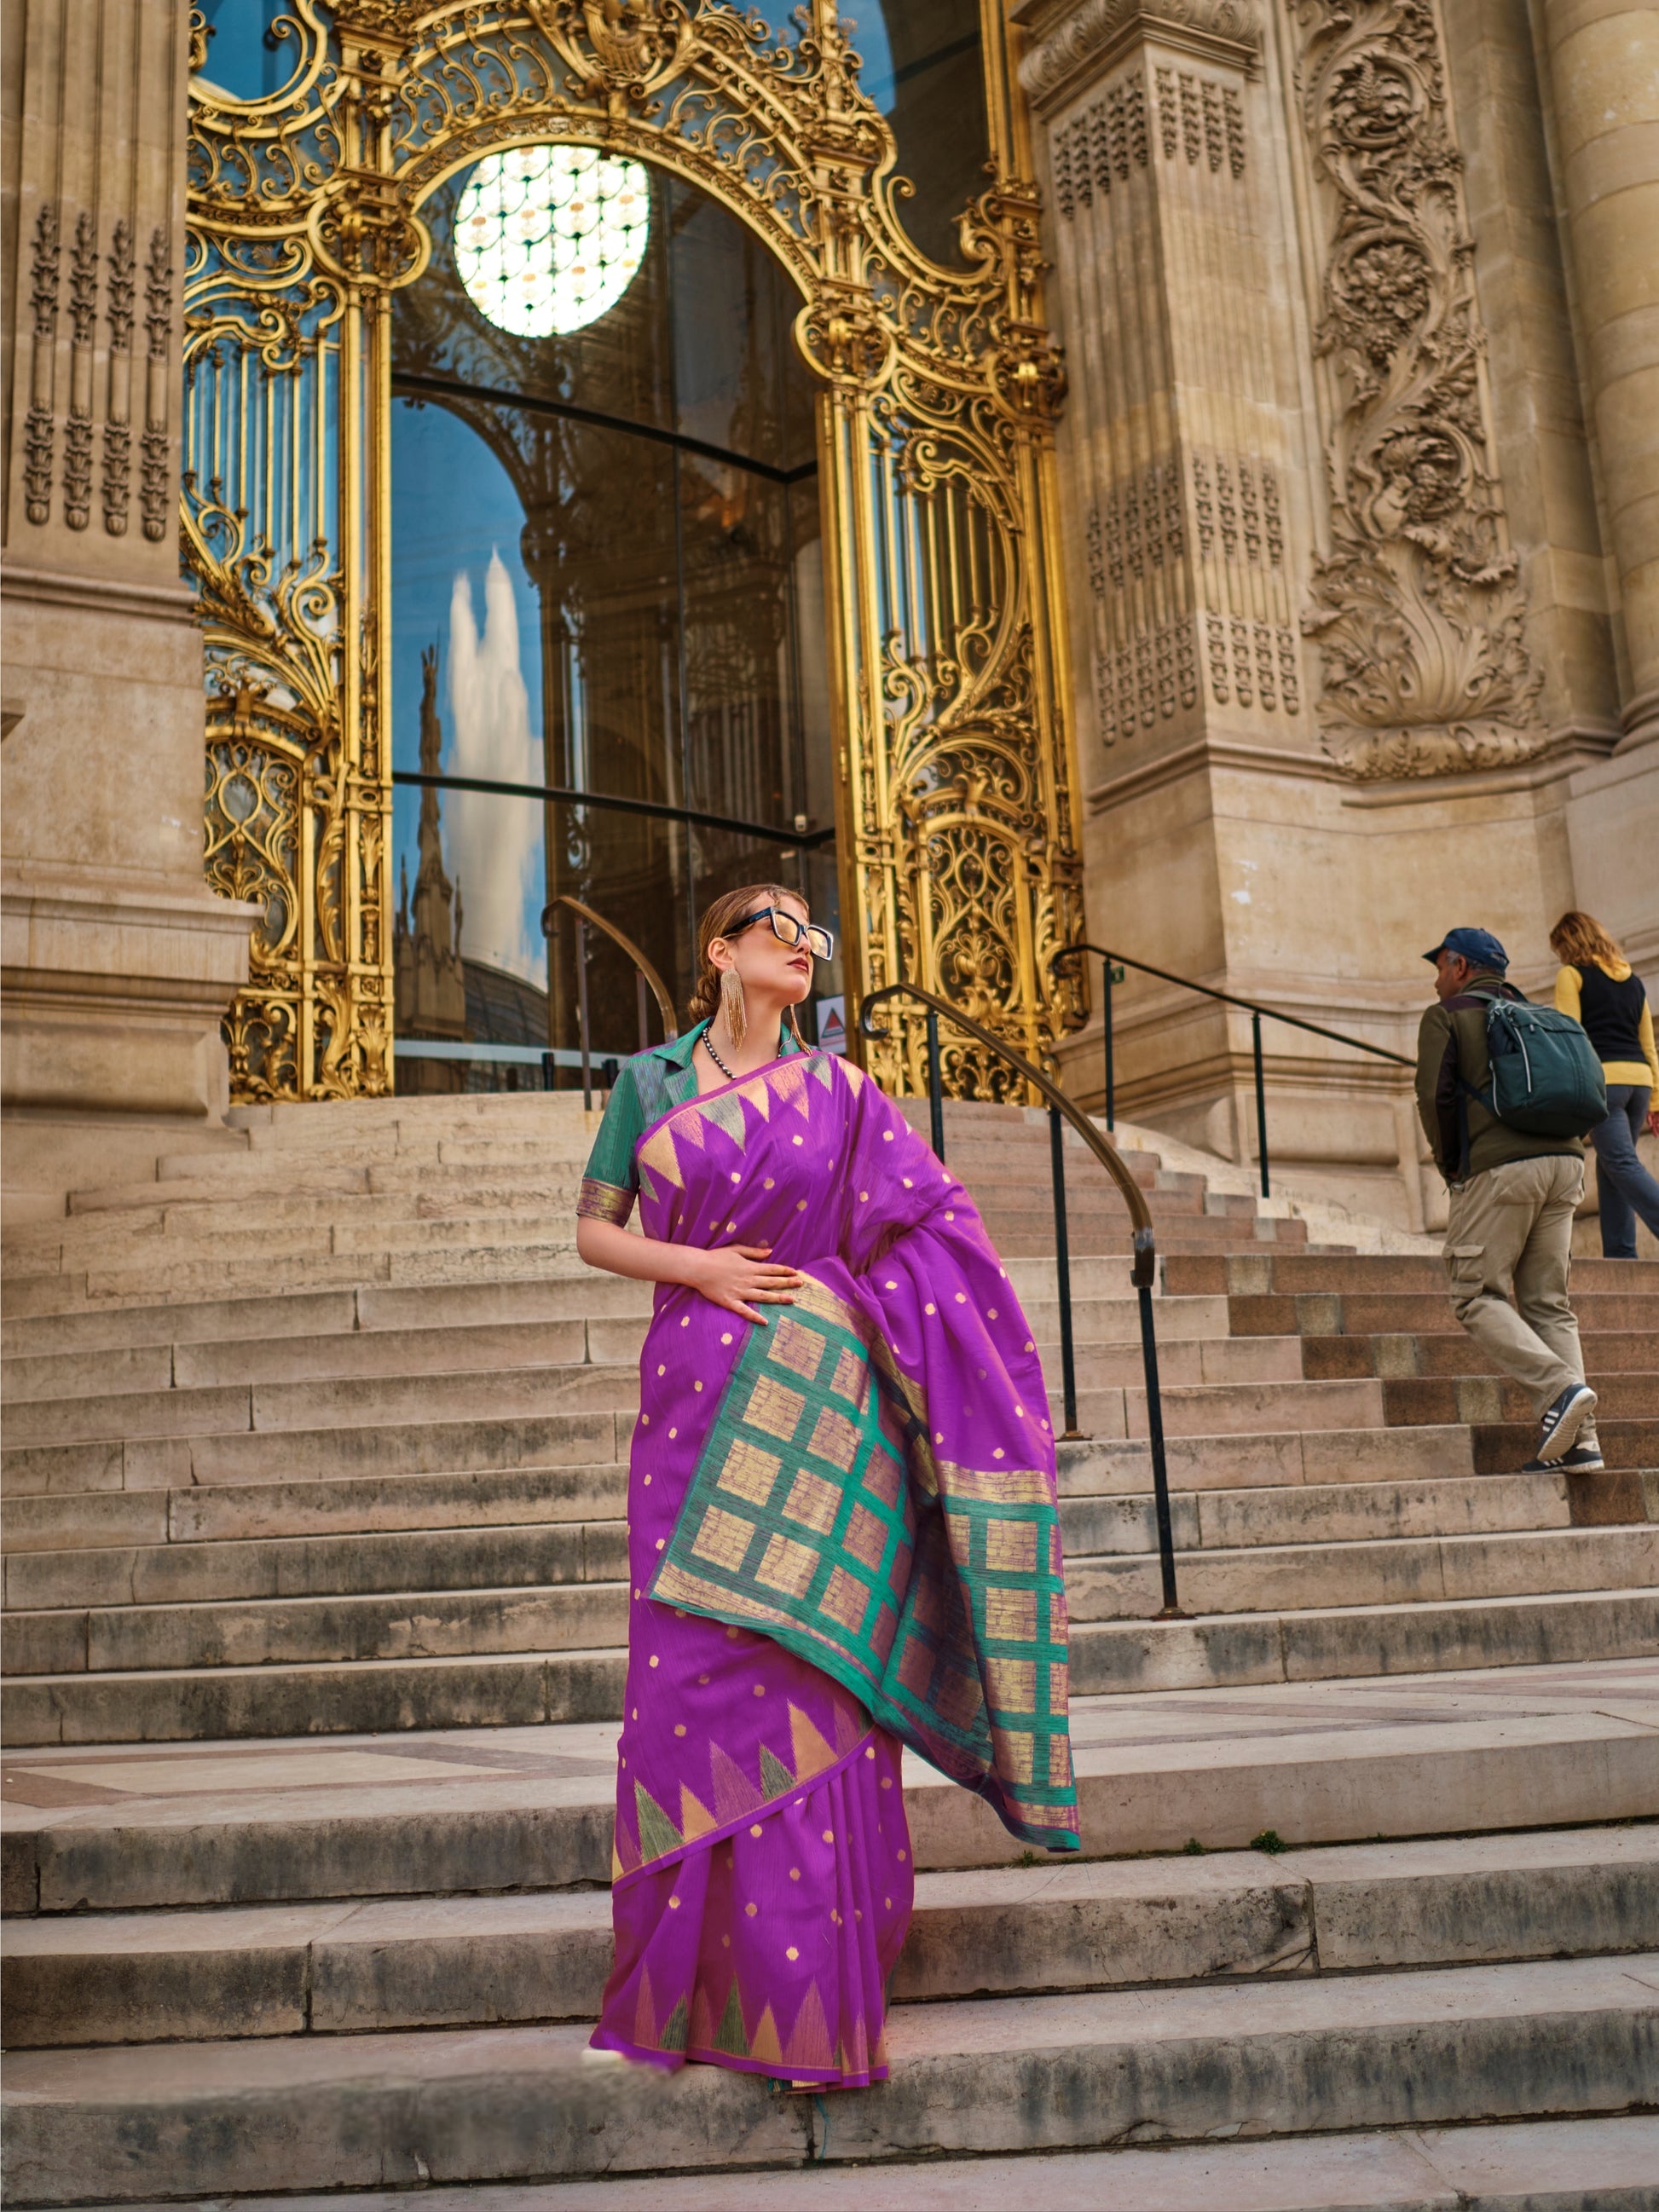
<point x="1328" y="696"/>
<point x="1601" y="62"/>
<point x="118" y="961"/>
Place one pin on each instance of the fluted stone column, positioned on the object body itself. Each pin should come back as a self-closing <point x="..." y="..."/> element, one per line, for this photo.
<point x="118" y="961"/>
<point x="1603" y="73"/>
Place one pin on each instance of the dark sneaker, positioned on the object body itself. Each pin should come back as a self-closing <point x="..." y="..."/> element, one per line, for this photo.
<point x="1558" y="1431"/>
<point x="1583" y="1459"/>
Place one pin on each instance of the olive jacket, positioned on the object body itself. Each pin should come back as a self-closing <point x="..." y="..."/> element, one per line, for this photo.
<point x="1451" y="1042"/>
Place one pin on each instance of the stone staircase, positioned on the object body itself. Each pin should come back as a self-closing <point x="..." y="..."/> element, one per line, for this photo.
<point x="315" y="1467"/>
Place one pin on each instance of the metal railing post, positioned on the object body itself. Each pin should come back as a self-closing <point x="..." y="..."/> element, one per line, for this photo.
<point x="1260" y="1105"/>
<point x="1106" y="1006"/>
<point x="935" y="1088"/>
<point x="1172" y="1609"/>
<point x="581" y="1012"/>
<point x="1072" y="1433"/>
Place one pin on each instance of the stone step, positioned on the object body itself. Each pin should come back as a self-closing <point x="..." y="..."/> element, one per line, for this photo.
<point x="509" y="1348"/>
<point x="311" y="1481"/>
<point x="1269" y="1578"/>
<point x="1241" y="1409"/>
<point x="984" y="2075"/>
<point x="287" y="1632"/>
<point x="1498" y="1445"/>
<point x="291" y="1459"/>
<point x="505" y="1688"/>
<point x="1456" y="1355"/>
<point x="1568" y="2165"/>
<point x="229" y="1245"/>
<point x="265" y="1456"/>
<point x="1325" y="1644"/>
<point x="1441" y="1397"/>
<point x="258" y="1273"/>
<point x="351" y="1617"/>
<point x="1465" y="1506"/>
<point x="528" y="1555"/>
<point x="349" y="1968"/>
<point x="1372" y="1274"/>
<point x="341" y="1353"/>
<point x="138" y="1826"/>
<point x="506" y="1303"/>
<point x="470" y="1498"/>
<point x="269" y="1176"/>
<point x="1427" y="1313"/>
<point x="497" y="1531"/>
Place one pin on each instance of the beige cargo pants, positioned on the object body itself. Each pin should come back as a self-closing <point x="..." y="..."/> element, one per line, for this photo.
<point x="1513" y="1225"/>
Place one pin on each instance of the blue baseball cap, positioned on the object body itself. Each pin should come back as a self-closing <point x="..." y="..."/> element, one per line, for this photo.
<point x="1477" y="946"/>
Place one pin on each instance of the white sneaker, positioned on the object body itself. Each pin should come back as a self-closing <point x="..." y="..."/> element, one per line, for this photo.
<point x="592" y="2057"/>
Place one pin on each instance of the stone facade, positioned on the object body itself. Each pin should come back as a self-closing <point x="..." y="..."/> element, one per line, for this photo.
<point x="1364" y="362"/>
<point x="117" y="962"/>
<point x="1362" y="539"/>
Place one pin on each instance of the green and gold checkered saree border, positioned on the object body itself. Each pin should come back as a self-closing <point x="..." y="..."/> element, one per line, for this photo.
<point x="813" y="1517"/>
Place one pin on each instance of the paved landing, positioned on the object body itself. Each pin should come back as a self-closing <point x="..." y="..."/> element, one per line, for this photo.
<point x="1508" y="1748"/>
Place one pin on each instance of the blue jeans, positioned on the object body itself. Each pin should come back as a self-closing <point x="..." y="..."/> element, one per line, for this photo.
<point x="1627" y="1187"/>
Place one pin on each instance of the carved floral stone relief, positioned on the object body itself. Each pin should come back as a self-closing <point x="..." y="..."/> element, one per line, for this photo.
<point x="1417" y="603"/>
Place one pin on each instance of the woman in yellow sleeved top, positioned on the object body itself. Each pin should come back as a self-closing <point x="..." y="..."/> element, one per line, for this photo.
<point x="1596" y="987"/>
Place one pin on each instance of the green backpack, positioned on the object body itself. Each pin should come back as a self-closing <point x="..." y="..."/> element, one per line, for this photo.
<point x="1546" y="1079"/>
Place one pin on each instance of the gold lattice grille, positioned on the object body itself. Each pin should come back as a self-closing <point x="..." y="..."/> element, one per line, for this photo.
<point x="955" y="811"/>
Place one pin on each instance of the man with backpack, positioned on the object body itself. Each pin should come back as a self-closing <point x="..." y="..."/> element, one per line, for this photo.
<point x="1506" y="1090"/>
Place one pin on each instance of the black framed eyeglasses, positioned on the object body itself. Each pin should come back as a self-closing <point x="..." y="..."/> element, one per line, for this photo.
<point x="789" y="929"/>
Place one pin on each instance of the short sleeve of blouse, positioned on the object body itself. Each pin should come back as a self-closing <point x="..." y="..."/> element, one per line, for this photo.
<point x="612" y="1182"/>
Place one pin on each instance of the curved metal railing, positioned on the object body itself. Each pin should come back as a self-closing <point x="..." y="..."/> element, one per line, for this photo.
<point x="1143" y="1271"/>
<point x="644" y="974"/>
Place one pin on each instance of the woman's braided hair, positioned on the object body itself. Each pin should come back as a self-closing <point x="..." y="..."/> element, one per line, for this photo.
<point x="719" y="918"/>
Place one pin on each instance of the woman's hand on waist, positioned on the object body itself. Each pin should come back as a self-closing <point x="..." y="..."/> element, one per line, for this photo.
<point x="740" y="1277"/>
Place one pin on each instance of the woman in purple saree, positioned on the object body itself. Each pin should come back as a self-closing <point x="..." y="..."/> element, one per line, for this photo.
<point x="842" y="1534"/>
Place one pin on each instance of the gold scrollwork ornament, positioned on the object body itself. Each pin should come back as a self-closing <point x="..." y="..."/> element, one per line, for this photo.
<point x="938" y="388"/>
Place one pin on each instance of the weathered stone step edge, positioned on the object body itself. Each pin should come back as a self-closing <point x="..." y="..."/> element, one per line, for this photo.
<point x="1586" y="2164"/>
<point x="988" y="2075"/>
<point x="346" y="1969"/>
<point x="124" y="1376"/>
<point x="166" y="1505"/>
<point x="422" y="1554"/>
<point x="557" y="1613"/>
<point x="504" y="1832"/>
<point x="587" y="1438"/>
<point x="521" y="1689"/>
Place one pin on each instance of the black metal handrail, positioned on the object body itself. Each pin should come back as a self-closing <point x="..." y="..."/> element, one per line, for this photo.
<point x="1121" y="960"/>
<point x="1143" y="1271"/>
<point x="644" y="974"/>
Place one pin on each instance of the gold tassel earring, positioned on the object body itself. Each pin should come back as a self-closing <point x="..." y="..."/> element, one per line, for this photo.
<point x="732" y="1006"/>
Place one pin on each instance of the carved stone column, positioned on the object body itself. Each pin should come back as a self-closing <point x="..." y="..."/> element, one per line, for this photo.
<point x="1602" y="65"/>
<point x="118" y="961"/>
<point x="1309" y="685"/>
<point x="1188" y="523"/>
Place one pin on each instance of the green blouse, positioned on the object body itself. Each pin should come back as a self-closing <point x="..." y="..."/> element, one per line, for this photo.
<point x="647" y="1086"/>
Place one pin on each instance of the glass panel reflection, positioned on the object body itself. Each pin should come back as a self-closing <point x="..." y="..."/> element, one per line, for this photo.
<point x="606" y="580"/>
<point x="923" y="67"/>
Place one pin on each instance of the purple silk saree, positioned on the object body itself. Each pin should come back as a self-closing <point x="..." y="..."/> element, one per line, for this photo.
<point x="842" y="1538"/>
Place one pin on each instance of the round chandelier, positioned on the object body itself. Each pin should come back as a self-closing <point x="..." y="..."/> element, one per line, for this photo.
<point x="547" y="238"/>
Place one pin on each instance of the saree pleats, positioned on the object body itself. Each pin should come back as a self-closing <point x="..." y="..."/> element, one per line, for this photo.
<point x="843" y="1537"/>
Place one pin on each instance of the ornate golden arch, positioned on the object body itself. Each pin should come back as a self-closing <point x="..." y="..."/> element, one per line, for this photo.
<point x="955" y="808"/>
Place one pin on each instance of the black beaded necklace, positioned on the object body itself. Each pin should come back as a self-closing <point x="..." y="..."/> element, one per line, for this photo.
<point x="708" y="1047"/>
